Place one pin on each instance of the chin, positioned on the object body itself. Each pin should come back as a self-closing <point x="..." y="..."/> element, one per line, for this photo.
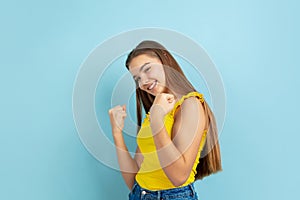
<point x="154" y="94"/>
<point x="156" y="91"/>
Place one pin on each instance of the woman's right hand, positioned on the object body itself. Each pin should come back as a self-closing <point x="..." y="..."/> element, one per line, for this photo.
<point x="117" y="116"/>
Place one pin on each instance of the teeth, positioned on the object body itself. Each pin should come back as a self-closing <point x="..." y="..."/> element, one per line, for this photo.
<point x="152" y="85"/>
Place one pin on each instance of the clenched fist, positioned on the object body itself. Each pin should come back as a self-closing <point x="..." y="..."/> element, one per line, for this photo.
<point x="117" y="116"/>
<point x="162" y="105"/>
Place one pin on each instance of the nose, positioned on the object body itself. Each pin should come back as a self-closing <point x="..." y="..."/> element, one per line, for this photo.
<point x="143" y="81"/>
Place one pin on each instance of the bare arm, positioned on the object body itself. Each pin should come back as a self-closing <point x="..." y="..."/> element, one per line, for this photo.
<point x="177" y="156"/>
<point x="128" y="166"/>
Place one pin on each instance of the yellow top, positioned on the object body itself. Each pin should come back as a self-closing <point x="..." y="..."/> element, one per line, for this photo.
<point x="151" y="175"/>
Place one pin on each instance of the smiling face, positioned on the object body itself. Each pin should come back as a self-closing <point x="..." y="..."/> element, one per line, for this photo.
<point x="148" y="73"/>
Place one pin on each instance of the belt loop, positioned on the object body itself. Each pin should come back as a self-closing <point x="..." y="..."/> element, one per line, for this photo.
<point x="192" y="188"/>
<point x="158" y="195"/>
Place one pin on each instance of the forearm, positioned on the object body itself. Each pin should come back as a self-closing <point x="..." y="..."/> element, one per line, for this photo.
<point x="128" y="165"/>
<point x="171" y="159"/>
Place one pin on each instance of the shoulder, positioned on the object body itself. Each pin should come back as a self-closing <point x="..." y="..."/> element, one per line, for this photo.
<point x="190" y="107"/>
<point x="189" y="116"/>
<point x="191" y="101"/>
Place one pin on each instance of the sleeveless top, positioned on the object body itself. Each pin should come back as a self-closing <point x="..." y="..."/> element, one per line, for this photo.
<point x="151" y="175"/>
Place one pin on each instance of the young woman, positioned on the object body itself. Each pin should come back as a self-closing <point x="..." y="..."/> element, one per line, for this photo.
<point x="177" y="141"/>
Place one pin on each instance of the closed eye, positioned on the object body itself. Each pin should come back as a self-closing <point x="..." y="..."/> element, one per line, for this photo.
<point x="147" y="69"/>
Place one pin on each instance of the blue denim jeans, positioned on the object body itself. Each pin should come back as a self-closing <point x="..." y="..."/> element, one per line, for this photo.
<point x="186" y="192"/>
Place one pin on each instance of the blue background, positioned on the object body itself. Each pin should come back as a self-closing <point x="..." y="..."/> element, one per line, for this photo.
<point x="254" y="44"/>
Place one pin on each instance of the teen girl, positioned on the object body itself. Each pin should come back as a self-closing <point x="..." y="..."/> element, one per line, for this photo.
<point x="177" y="140"/>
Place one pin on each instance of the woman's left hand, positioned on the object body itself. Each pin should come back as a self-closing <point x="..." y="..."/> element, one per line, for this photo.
<point x="162" y="105"/>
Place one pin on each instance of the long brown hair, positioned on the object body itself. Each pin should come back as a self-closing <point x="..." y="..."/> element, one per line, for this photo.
<point x="176" y="81"/>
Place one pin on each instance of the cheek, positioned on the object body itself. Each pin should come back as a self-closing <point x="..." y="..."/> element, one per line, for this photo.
<point x="162" y="75"/>
<point x="159" y="74"/>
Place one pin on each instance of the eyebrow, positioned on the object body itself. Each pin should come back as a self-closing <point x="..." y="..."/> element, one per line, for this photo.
<point x="142" y="67"/>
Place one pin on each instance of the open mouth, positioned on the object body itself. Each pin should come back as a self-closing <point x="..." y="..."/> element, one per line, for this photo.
<point x="152" y="85"/>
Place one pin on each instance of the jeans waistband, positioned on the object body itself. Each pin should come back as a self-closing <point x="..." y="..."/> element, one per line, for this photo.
<point x="138" y="190"/>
